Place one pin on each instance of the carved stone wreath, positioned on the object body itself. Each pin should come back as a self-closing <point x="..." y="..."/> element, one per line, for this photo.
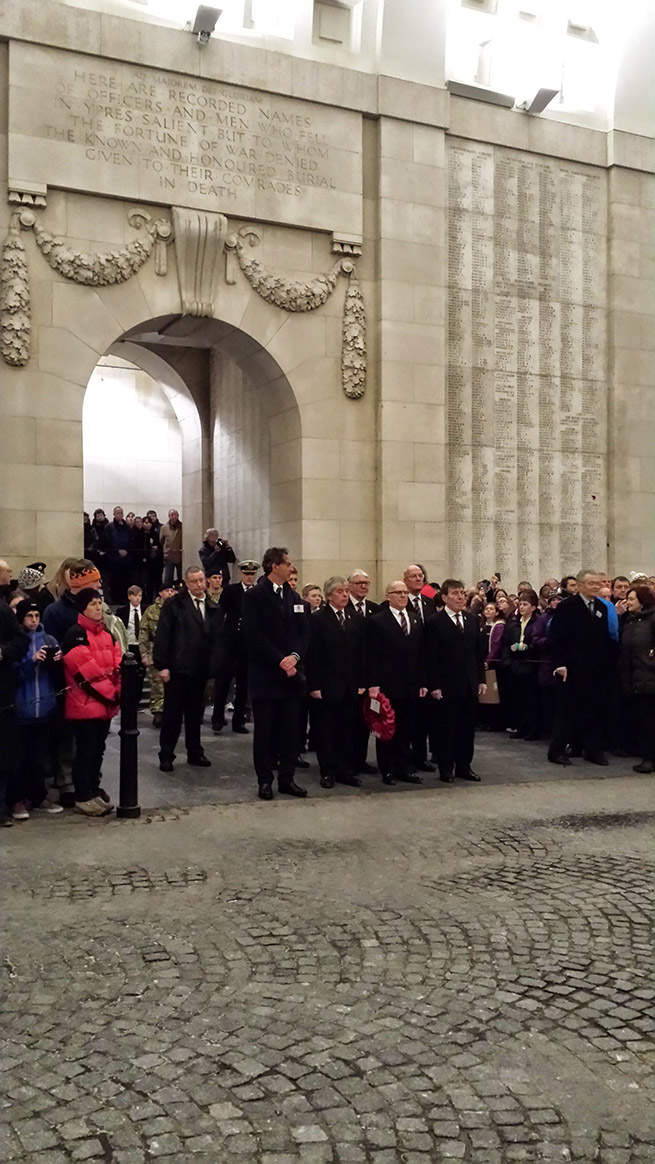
<point x="292" y="295"/>
<point x="116" y="266"/>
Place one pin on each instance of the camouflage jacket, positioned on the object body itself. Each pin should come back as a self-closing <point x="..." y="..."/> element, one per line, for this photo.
<point x="148" y="627"/>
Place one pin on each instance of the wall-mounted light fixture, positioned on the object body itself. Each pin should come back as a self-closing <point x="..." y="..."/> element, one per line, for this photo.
<point x="205" y="22"/>
<point x="541" y="99"/>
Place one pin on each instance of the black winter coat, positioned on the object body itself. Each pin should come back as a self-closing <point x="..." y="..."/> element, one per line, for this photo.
<point x="216" y="560"/>
<point x="395" y="662"/>
<point x="13" y="645"/>
<point x="185" y="644"/>
<point x="274" y="628"/>
<point x="335" y="658"/>
<point x="637" y="653"/>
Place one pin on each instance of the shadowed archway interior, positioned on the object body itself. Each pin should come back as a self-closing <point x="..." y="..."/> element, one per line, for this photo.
<point x="239" y="423"/>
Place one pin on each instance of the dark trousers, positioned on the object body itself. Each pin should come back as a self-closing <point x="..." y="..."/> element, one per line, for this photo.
<point x="184" y="699"/>
<point x="457" y="715"/>
<point x="524" y="699"/>
<point x="334" y="723"/>
<point x="275" y="738"/>
<point x="645" y="716"/>
<point x="8" y="758"/>
<point x="580" y="709"/>
<point x="360" y="736"/>
<point x="233" y="663"/>
<point x="90" y="739"/>
<point x="421" y="732"/>
<point x="172" y="571"/>
<point x="394" y="756"/>
<point x="32" y="743"/>
<point x="121" y="578"/>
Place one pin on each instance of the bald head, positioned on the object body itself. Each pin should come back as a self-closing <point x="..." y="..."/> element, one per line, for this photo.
<point x="414" y="579"/>
<point x="397" y="594"/>
<point x="5" y="573"/>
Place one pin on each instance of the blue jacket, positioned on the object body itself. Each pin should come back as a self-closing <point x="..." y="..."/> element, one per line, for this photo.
<point x="612" y="619"/>
<point x="60" y="615"/>
<point x="36" y="695"/>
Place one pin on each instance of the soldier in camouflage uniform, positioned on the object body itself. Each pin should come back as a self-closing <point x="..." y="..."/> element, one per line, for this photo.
<point x="147" y="632"/>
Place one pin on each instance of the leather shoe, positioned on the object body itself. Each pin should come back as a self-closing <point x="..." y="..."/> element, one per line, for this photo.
<point x="409" y="778"/>
<point x="291" y="788"/>
<point x="596" y="758"/>
<point x="240" y="729"/>
<point x="352" y="781"/>
<point x="199" y="762"/>
<point x="217" y="728"/>
<point x="563" y="760"/>
<point x="265" y="792"/>
<point x="165" y="765"/>
<point x="446" y="777"/>
<point x="368" y="770"/>
<point x="388" y="779"/>
<point x="326" y="782"/>
<point x="468" y="774"/>
<point x="645" y="767"/>
<point x="425" y="766"/>
<point x="300" y="763"/>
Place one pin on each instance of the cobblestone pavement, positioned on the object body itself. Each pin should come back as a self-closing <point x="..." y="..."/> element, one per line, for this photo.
<point x="457" y="978"/>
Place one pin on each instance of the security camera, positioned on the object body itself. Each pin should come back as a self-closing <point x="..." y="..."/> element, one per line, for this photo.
<point x="205" y="22"/>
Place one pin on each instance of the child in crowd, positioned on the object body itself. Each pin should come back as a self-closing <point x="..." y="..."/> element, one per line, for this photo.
<point x="91" y="665"/>
<point x="36" y="701"/>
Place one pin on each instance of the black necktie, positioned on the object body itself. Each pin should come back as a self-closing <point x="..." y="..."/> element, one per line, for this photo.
<point x="136" y="623"/>
<point x="460" y="624"/>
<point x="359" y="607"/>
<point x="403" y="623"/>
<point x="417" y="606"/>
<point x="199" y="609"/>
<point x="342" y="619"/>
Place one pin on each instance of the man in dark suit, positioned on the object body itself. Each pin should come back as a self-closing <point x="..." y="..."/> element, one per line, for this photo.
<point x="420" y="607"/>
<point x="360" y="605"/>
<point x="582" y="652"/>
<point x="185" y="646"/>
<point x="233" y="653"/>
<point x="455" y="661"/>
<point x="395" y="666"/>
<point x="335" y="679"/>
<point x="277" y="632"/>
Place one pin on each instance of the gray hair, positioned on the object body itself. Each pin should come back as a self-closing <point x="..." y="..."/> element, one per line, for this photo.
<point x="357" y="574"/>
<point x="331" y="584"/>
<point x="580" y="577"/>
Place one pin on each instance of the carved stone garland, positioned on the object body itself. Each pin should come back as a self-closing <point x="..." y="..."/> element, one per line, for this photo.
<point x="294" y="296"/>
<point x="15" y="325"/>
<point x="96" y="270"/>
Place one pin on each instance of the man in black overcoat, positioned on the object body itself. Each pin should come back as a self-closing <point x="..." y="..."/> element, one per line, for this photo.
<point x="185" y="646"/>
<point x="360" y="606"/>
<point x="456" y="678"/>
<point x="395" y="666"/>
<point x="233" y="652"/>
<point x="421" y="607"/>
<point x="583" y="654"/>
<point x="277" y="633"/>
<point x="335" y="679"/>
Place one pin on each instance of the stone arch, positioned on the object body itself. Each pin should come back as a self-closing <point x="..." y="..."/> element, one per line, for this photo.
<point x="316" y="478"/>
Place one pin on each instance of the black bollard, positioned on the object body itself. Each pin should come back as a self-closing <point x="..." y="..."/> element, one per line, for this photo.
<point x="128" y="797"/>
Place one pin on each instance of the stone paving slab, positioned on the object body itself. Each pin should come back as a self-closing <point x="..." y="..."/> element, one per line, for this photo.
<point x="449" y="975"/>
<point x="498" y="759"/>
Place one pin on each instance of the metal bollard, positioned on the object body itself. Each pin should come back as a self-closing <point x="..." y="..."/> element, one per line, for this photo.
<point x="128" y="806"/>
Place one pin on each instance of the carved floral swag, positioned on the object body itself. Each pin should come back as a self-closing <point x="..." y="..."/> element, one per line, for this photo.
<point x="119" y="264"/>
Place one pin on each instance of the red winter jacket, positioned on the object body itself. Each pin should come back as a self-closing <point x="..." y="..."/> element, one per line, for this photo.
<point x="91" y="662"/>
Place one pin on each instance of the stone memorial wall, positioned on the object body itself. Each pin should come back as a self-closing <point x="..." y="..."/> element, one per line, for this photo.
<point x="527" y="363"/>
<point x="139" y="133"/>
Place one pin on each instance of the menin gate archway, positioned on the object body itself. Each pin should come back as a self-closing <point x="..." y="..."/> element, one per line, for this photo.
<point x="239" y="424"/>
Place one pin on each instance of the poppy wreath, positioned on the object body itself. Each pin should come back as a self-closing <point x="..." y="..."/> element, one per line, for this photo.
<point x="383" y="722"/>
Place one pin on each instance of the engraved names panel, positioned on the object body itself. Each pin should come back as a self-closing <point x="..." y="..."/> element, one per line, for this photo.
<point x="86" y="123"/>
<point x="527" y="427"/>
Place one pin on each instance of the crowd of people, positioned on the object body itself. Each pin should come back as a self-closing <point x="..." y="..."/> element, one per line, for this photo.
<point x="324" y="668"/>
